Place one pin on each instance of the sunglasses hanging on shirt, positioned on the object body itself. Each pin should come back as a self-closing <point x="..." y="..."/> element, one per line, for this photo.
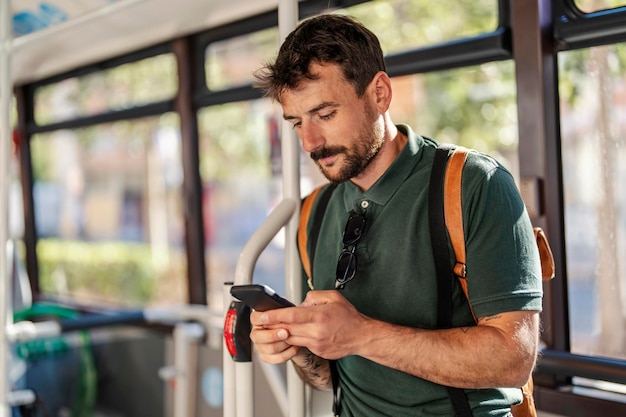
<point x="347" y="262"/>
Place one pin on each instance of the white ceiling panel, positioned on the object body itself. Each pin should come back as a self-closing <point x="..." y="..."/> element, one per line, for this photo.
<point x="53" y="36"/>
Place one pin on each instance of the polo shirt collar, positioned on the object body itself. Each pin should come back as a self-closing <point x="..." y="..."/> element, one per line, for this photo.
<point x="387" y="185"/>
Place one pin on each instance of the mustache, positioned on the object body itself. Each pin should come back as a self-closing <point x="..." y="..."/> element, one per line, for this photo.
<point x="326" y="152"/>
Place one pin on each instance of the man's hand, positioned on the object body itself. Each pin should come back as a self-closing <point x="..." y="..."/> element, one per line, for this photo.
<point x="307" y="334"/>
<point x="325" y="323"/>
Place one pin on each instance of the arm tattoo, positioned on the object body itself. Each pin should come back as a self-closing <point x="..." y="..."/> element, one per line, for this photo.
<point x="489" y="318"/>
<point x="315" y="371"/>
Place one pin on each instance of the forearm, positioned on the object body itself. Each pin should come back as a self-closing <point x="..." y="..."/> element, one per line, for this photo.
<point x="312" y="369"/>
<point x="470" y="357"/>
<point x="498" y="352"/>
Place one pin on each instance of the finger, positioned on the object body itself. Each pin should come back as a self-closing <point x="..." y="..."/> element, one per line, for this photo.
<point x="280" y="357"/>
<point x="272" y="348"/>
<point x="271" y="317"/>
<point x="263" y="335"/>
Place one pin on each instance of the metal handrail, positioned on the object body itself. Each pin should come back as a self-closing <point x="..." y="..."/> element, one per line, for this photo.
<point x="238" y="376"/>
<point x="192" y="324"/>
<point x="261" y="239"/>
<point x="569" y="364"/>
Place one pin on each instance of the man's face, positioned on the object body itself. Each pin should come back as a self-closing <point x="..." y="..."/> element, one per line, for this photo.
<point x="341" y="131"/>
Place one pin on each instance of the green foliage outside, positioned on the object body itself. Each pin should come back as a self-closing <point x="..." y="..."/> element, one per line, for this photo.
<point x="403" y="25"/>
<point x="108" y="271"/>
<point x="234" y="143"/>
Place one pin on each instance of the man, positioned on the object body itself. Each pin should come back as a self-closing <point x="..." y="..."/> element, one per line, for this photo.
<point x="380" y="327"/>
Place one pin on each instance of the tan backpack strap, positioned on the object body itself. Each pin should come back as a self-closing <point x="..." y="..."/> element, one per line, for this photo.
<point x="305" y="213"/>
<point x="452" y="207"/>
<point x="545" y="253"/>
<point x="453" y="213"/>
<point x="454" y="224"/>
<point x="527" y="407"/>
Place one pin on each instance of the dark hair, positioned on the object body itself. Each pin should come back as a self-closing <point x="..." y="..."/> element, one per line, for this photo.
<point x="327" y="38"/>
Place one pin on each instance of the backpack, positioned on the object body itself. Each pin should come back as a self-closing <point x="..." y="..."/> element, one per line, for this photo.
<point x="445" y="213"/>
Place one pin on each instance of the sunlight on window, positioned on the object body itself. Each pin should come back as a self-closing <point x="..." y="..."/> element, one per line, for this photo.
<point x="593" y="102"/>
<point x="407" y="24"/>
<point x="232" y="62"/>
<point x="589" y="6"/>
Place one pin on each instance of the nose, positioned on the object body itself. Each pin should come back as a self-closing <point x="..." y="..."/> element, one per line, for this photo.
<point x="311" y="138"/>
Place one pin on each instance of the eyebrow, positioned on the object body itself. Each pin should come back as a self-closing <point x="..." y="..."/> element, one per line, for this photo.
<point x="315" y="109"/>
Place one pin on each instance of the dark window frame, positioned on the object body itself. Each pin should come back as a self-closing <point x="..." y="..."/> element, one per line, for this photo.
<point x="574" y="29"/>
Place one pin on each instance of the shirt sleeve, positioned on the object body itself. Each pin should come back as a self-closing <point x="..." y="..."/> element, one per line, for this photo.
<point x="503" y="266"/>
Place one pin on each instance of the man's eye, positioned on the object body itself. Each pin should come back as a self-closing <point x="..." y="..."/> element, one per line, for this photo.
<point x="327" y="116"/>
<point x="296" y="125"/>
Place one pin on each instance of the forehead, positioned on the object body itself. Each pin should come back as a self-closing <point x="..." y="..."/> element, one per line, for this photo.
<point x="329" y="85"/>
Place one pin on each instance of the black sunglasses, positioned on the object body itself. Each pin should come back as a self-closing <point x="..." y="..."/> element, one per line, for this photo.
<point x="346" y="264"/>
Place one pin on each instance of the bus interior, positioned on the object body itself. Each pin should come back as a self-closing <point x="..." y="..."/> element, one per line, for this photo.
<point x="143" y="174"/>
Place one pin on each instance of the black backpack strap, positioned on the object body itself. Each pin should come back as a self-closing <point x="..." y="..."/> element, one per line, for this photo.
<point x="438" y="238"/>
<point x="334" y="376"/>
<point x="445" y="276"/>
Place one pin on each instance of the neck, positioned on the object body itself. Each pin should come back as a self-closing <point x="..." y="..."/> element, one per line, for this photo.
<point x="392" y="146"/>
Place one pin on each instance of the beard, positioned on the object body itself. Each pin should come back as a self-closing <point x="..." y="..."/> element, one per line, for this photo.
<point x="357" y="157"/>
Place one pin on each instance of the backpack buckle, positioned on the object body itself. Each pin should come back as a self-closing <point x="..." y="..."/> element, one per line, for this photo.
<point x="460" y="270"/>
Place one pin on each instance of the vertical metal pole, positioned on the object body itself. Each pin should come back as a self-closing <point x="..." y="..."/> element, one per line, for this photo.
<point x="187" y="337"/>
<point x="287" y="22"/>
<point x="244" y="389"/>
<point x="5" y="148"/>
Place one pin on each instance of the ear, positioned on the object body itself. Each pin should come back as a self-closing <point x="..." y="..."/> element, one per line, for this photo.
<point x="381" y="84"/>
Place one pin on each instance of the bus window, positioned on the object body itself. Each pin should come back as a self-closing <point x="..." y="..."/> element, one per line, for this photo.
<point x="592" y="91"/>
<point x="407" y="24"/>
<point x="472" y="106"/>
<point x="124" y="86"/>
<point x="232" y="62"/>
<point x="108" y="203"/>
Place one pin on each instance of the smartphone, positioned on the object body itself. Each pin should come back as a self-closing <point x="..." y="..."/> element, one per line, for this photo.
<point x="259" y="297"/>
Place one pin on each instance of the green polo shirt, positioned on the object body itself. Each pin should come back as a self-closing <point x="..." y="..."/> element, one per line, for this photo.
<point x="396" y="280"/>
